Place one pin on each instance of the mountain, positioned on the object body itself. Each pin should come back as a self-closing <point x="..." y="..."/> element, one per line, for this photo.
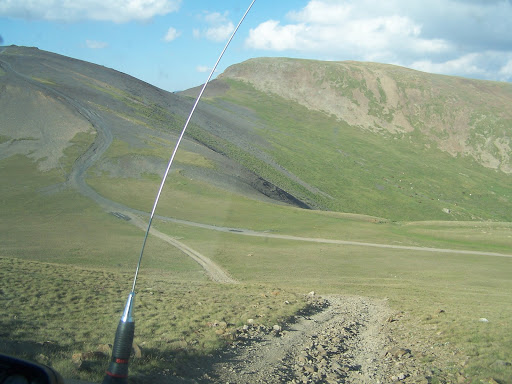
<point x="382" y="139"/>
<point x="46" y="99"/>
<point x="460" y="116"/>
<point x="353" y="137"/>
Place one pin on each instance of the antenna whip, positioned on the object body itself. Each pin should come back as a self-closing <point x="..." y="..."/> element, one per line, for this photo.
<point x="117" y="371"/>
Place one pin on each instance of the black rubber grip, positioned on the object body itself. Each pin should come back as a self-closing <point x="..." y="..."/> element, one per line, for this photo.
<point x="124" y="340"/>
<point x="118" y="369"/>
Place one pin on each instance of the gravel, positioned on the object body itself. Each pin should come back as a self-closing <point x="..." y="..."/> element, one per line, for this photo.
<point x="341" y="339"/>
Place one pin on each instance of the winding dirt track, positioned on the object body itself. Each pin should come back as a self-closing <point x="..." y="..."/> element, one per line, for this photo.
<point x="214" y="271"/>
<point x="76" y="178"/>
<point x="103" y="140"/>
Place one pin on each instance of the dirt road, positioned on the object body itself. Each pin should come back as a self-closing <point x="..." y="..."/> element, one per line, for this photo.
<point x="340" y="339"/>
<point x="341" y="343"/>
<point x="345" y="339"/>
<point x="76" y="178"/>
<point x="216" y="273"/>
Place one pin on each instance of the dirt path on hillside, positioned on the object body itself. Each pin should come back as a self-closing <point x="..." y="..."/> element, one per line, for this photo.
<point x="345" y="339"/>
<point x="216" y="273"/>
<point x="342" y="343"/>
<point x="76" y="178"/>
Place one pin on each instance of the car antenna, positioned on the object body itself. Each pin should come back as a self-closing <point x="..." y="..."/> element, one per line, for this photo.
<point x="117" y="371"/>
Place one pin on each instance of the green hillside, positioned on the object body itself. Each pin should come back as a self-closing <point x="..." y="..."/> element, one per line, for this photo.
<point x="332" y="165"/>
<point x="397" y="211"/>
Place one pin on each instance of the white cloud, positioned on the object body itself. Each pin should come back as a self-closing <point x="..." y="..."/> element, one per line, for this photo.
<point x="271" y="36"/>
<point x="493" y="65"/>
<point x="219" y="27"/>
<point x="506" y="71"/>
<point x="203" y="68"/>
<point x="321" y="12"/>
<point x="330" y="28"/>
<point x="464" y="65"/>
<point x="220" y="33"/>
<point x="96" y="44"/>
<point x="118" y="11"/>
<point x="172" y="34"/>
<point x="216" y="18"/>
<point x="460" y="37"/>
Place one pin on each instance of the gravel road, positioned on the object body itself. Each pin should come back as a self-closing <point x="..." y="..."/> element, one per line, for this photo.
<point x="342" y="339"/>
<point x="341" y="343"/>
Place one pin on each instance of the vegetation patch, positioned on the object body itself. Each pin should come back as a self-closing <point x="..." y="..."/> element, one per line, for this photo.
<point x="43" y="81"/>
<point x="441" y="298"/>
<point x="401" y="180"/>
<point x="176" y="321"/>
<point x="95" y="268"/>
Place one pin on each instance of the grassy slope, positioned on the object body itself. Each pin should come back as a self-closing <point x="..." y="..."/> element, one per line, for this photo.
<point x="466" y="287"/>
<point x="369" y="174"/>
<point x="461" y="116"/>
<point x="66" y="268"/>
<point x="67" y="229"/>
<point x="51" y="311"/>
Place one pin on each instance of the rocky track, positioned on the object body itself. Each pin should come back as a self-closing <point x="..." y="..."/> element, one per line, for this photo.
<point x="341" y="343"/>
<point x="346" y="339"/>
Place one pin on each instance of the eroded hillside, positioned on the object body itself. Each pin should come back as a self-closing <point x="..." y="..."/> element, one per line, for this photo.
<point x="370" y="139"/>
<point x="460" y="116"/>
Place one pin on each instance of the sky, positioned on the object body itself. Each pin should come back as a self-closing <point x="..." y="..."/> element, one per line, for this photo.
<point x="173" y="44"/>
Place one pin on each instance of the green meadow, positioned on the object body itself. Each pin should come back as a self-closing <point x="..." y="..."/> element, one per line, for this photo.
<point x="67" y="267"/>
<point x="66" y="264"/>
<point x="400" y="176"/>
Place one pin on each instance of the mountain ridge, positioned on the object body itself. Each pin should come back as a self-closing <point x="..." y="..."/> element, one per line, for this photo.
<point x="249" y="137"/>
<point x="138" y="113"/>
<point x="388" y="99"/>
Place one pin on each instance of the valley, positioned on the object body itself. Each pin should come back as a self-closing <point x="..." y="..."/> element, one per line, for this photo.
<point x="235" y="205"/>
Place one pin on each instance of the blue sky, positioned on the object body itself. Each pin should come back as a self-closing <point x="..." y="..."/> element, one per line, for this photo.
<point x="173" y="43"/>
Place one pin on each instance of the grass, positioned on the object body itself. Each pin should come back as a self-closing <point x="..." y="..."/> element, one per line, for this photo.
<point x="135" y="108"/>
<point x="159" y="148"/>
<point x="66" y="265"/>
<point x="189" y="199"/>
<point x="66" y="268"/>
<point x="52" y="311"/>
<point x="465" y="287"/>
<point x="74" y="229"/>
<point x="79" y="144"/>
<point x="61" y="248"/>
<point x="44" y="81"/>
<point x="402" y="179"/>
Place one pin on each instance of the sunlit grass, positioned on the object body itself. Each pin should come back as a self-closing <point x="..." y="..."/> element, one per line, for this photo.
<point x="188" y="199"/>
<point x="401" y="178"/>
<point x="63" y="259"/>
<point x="55" y="311"/>
<point x="419" y="283"/>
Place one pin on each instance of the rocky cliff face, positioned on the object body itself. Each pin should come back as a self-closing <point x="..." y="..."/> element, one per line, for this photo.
<point x="460" y="116"/>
